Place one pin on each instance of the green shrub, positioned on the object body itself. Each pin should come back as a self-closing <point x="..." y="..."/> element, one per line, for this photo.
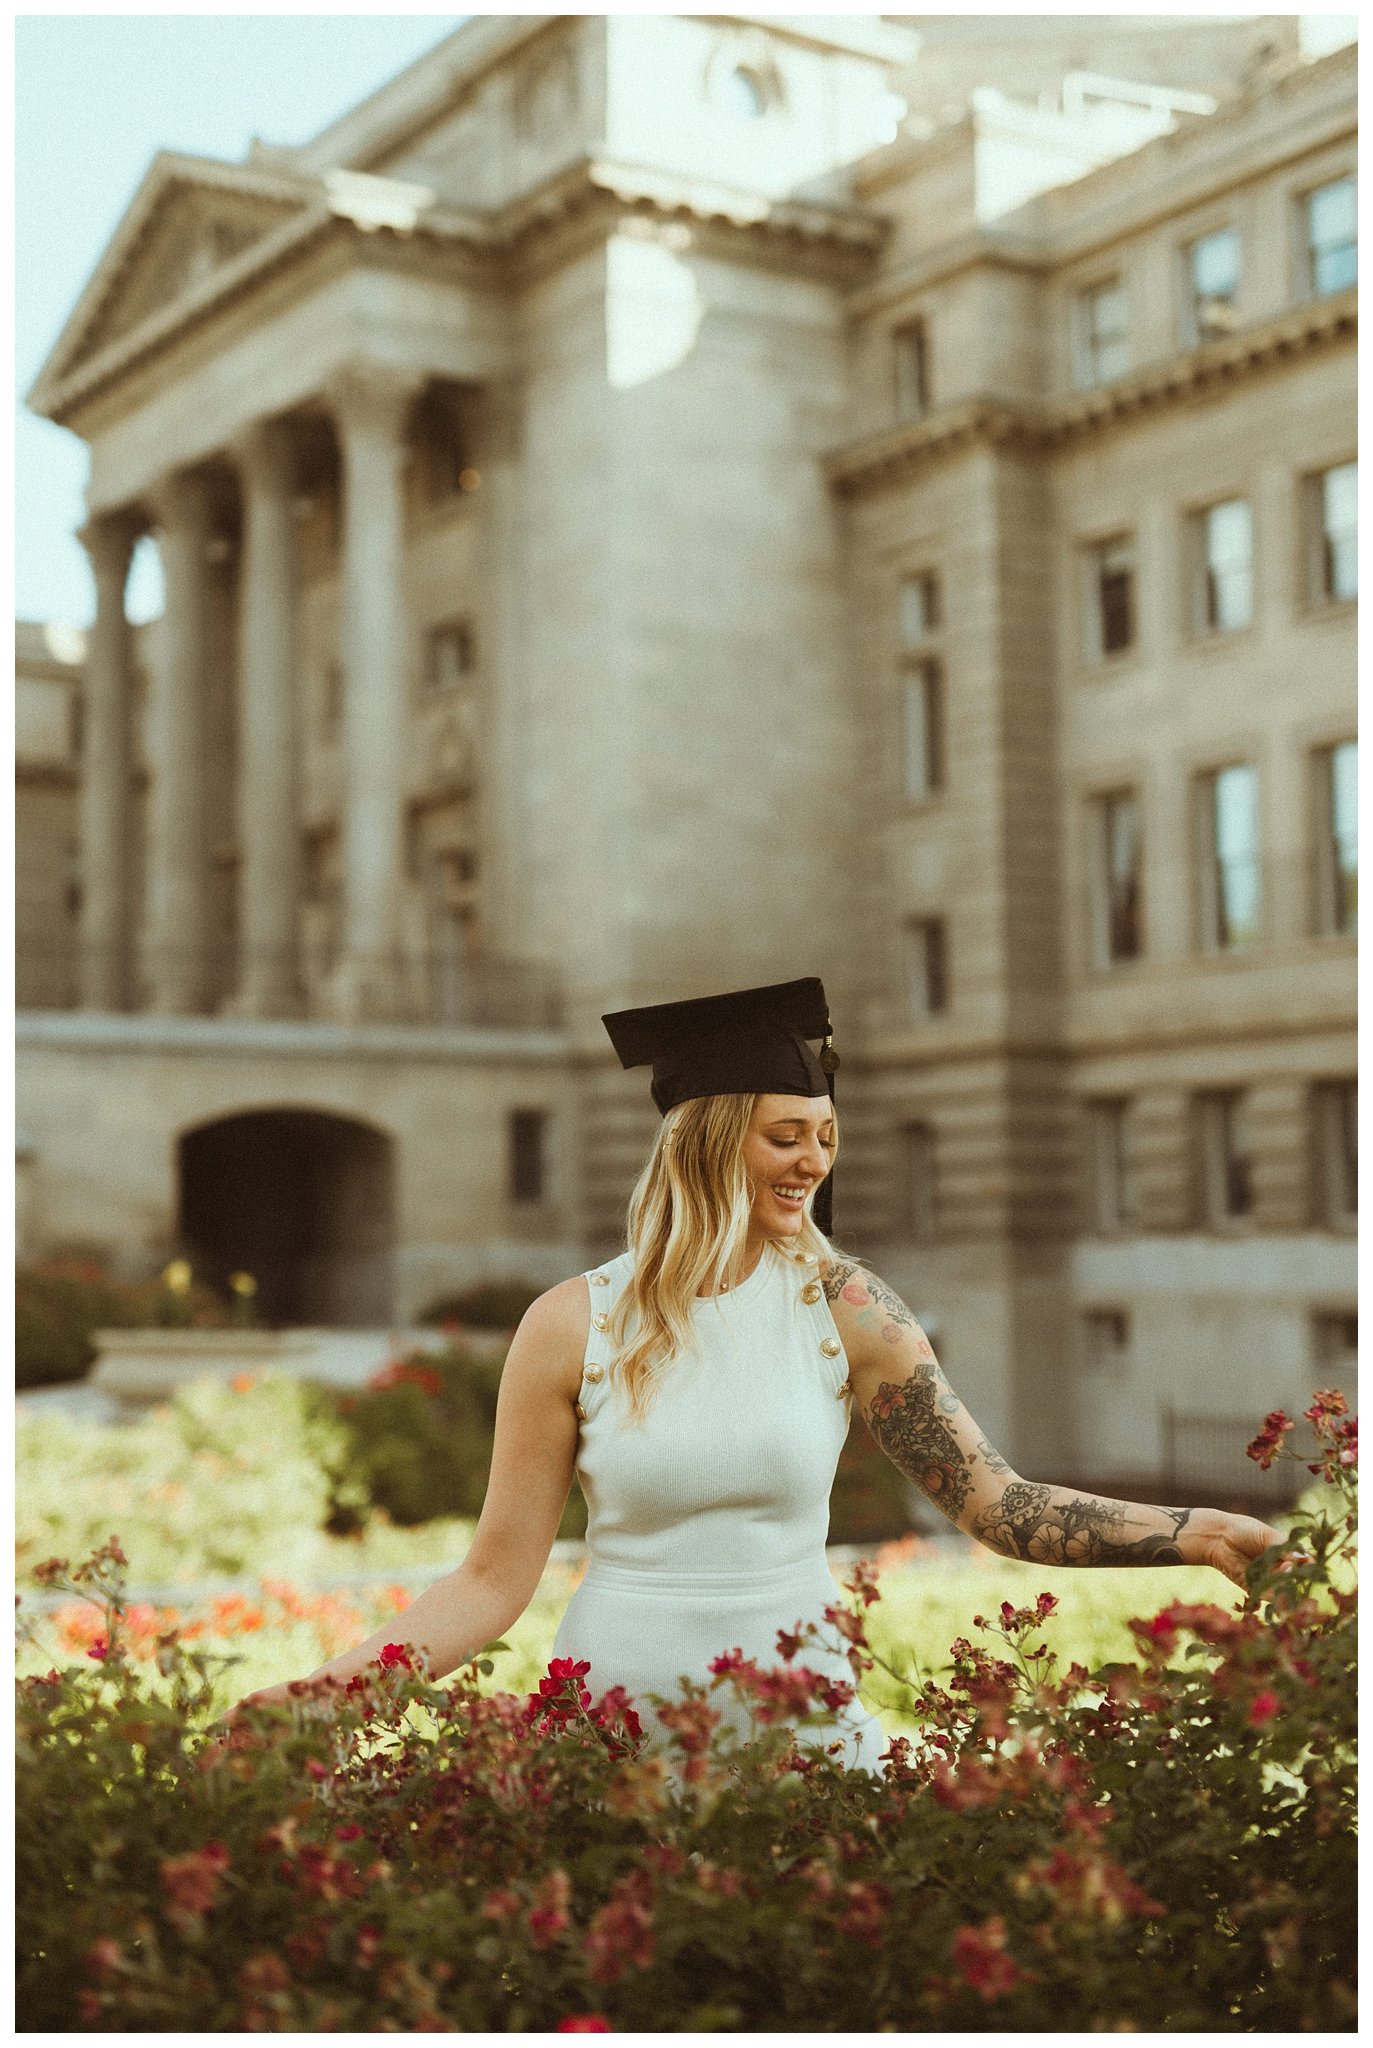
<point x="419" y="1438"/>
<point x="59" y="1304"/>
<point x="490" y="1305"/>
<point x="1166" y="1844"/>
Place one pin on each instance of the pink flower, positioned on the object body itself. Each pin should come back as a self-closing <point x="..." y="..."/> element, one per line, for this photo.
<point x="549" y="1916"/>
<point x="620" y="1936"/>
<point x="191" y="1883"/>
<point x="979" y="1954"/>
<point x="1266" y="1445"/>
<point x="393" y="1654"/>
<point x="584" y="2023"/>
<point x="731" y="1661"/>
<point x="499" y="1904"/>
<point x="99" y="1649"/>
<point x="1262" y="1707"/>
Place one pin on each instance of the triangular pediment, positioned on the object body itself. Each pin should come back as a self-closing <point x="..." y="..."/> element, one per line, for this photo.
<point x="190" y="219"/>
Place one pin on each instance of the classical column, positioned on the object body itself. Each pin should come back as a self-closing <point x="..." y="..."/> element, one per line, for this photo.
<point x="106" y="769"/>
<point x="178" y="877"/>
<point x="369" y="408"/>
<point x="266" y="815"/>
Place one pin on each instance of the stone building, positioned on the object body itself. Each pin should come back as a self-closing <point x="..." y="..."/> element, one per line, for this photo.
<point x="650" y="504"/>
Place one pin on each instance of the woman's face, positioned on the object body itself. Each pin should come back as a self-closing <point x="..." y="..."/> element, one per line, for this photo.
<point x="785" y="1152"/>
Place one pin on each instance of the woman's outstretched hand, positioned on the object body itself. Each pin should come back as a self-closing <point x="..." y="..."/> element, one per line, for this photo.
<point x="1230" y="1543"/>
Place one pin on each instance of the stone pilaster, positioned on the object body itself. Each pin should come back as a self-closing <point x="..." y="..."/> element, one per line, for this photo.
<point x="370" y="406"/>
<point x="106" y="767"/>
<point x="267" y="826"/>
<point x="178" y="874"/>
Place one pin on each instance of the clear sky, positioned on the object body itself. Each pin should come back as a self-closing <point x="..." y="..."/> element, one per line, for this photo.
<point x="97" y="95"/>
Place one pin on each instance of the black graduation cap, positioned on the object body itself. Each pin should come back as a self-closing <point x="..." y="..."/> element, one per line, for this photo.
<point x="752" y="1041"/>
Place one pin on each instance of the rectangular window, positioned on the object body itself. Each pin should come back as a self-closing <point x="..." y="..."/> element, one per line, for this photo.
<point x="526" y="1155"/>
<point x="1335" y="1132"/>
<point x="1335" y="1352"/>
<point x="1213" y="269"/>
<point x="1119" y="878"/>
<point x="1110" y="608"/>
<point x="1225" y="549"/>
<point x="1334" y="525"/>
<point x="1103" y="349"/>
<point x="331" y="698"/>
<point x="922" y="720"/>
<point x="451" y="654"/>
<point x="1337" y="837"/>
<point x="1332" y="248"/>
<point x="911" y="364"/>
<point x="1226" y="1158"/>
<point x="921" y="614"/>
<point x="1230" y="877"/>
<point x="918" y="1189"/>
<point x="1106" y="1340"/>
<point x="1114" y="1205"/>
<point x="927" y="987"/>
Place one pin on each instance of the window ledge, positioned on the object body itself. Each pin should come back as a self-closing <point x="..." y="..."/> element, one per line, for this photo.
<point x="1105" y="668"/>
<point x="1316" y="611"/>
<point x="1198" y="640"/>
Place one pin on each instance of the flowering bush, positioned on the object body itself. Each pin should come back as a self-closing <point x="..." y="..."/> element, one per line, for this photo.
<point x="1164" y="1843"/>
<point x="222" y="1479"/>
<point x="60" y="1303"/>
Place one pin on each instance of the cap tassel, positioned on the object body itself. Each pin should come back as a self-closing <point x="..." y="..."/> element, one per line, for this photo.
<point x="822" y="1208"/>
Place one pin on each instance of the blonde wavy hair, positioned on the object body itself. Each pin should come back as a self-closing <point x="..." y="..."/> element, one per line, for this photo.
<point x="688" y="1225"/>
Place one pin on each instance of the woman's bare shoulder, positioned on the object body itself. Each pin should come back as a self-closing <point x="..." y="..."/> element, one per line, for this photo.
<point x="552" y="1334"/>
<point x="837" y="1271"/>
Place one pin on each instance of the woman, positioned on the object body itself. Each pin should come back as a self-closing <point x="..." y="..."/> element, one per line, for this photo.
<point x="700" y="1386"/>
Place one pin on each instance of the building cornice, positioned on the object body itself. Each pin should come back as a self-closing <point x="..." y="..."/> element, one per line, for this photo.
<point x="219" y="1038"/>
<point x="1205" y="158"/>
<point x="845" y="240"/>
<point x="592" y="193"/>
<point x="884" y="461"/>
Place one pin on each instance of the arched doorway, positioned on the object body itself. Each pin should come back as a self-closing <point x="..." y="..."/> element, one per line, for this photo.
<point x="301" y="1199"/>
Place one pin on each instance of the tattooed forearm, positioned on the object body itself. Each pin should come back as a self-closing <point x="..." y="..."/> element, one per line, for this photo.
<point x="906" y="1420"/>
<point x="992" y="1458"/>
<point x="1052" y="1525"/>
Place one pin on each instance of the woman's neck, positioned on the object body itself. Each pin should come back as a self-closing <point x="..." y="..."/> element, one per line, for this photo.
<point x="753" y="1251"/>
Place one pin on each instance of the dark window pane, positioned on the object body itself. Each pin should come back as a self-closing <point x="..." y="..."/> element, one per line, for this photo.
<point x="936" y="968"/>
<point x="527" y="1155"/>
<point x="1117" y="608"/>
<point x="1121" y="822"/>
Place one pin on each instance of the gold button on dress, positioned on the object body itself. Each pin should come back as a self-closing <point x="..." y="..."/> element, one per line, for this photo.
<point x="831" y="1346"/>
<point x="811" y="1291"/>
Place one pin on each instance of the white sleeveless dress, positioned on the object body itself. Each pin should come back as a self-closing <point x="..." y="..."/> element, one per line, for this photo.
<point x="707" y="1521"/>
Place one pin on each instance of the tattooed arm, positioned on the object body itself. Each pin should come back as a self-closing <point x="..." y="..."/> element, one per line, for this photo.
<point x="928" y="1434"/>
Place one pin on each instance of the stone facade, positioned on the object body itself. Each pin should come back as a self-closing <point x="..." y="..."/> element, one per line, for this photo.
<point x="638" y="514"/>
